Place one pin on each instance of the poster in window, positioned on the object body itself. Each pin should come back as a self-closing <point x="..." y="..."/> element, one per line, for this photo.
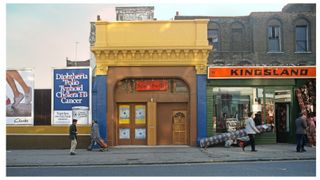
<point x="19" y="96"/>
<point x="140" y="114"/>
<point x="140" y="133"/>
<point x="124" y="114"/>
<point x="124" y="133"/>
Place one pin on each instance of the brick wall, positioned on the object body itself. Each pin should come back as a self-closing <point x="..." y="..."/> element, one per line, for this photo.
<point x="254" y="45"/>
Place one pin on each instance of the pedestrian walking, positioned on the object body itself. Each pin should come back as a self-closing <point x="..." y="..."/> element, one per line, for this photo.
<point x="311" y="130"/>
<point x="301" y="126"/>
<point x="95" y="136"/>
<point x="73" y="136"/>
<point x="251" y="130"/>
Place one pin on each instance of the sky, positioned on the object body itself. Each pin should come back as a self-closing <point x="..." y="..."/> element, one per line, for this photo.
<point x="42" y="36"/>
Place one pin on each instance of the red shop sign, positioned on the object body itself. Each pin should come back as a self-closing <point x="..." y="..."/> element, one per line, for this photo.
<point x="152" y="85"/>
<point x="264" y="72"/>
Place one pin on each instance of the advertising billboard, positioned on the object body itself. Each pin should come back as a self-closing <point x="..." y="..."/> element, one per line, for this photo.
<point x="71" y="95"/>
<point x="19" y="96"/>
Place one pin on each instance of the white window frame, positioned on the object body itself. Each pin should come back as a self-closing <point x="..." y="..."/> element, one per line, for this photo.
<point x="307" y="39"/>
<point x="279" y="38"/>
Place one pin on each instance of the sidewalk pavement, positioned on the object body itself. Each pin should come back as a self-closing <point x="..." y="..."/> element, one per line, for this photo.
<point x="133" y="155"/>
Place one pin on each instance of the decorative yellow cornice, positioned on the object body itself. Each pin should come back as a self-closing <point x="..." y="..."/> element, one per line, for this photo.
<point x="151" y="43"/>
<point x="201" y="69"/>
<point x="151" y="57"/>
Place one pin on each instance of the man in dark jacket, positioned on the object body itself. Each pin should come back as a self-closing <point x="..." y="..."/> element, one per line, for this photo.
<point x="301" y="125"/>
<point x="73" y="136"/>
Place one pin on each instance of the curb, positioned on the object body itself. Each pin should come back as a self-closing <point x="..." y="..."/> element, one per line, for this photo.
<point x="157" y="163"/>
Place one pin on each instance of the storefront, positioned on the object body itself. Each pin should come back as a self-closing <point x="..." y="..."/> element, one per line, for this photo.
<point x="269" y="92"/>
<point x="150" y="79"/>
<point x="146" y="101"/>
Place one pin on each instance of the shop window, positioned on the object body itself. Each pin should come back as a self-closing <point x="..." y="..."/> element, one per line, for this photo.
<point x="258" y="106"/>
<point x="269" y="110"/>
<point x="231" y="107"/>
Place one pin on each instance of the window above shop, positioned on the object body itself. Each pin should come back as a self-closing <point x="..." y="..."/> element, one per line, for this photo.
<point x="274" y="37"/>
<point x="302" y="39"/>
<point x="213" y="38"/>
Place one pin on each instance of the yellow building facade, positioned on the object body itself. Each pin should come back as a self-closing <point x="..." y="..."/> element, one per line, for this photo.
<point x="151" y="43"/>
<point x="147" y="76"/>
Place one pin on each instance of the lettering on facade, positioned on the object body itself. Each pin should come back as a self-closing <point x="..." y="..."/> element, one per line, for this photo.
<point x="151" y="85"/>
<point x="261" y="72"/>
<point x="267" y="72"/>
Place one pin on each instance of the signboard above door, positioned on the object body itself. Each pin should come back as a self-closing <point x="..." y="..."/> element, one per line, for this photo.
<point x="151" y="85"/>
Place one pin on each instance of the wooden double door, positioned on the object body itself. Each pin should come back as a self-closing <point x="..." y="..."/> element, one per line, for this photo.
<point x="171" y="123"/>
<point x="132" y="124"/>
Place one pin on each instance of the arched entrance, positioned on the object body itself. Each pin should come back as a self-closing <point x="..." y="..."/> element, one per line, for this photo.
<point x="152" y="110"/>
<point x="171" y="97"/>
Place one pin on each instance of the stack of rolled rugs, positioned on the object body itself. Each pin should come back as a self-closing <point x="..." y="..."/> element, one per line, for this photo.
<point x="219" y="138"/>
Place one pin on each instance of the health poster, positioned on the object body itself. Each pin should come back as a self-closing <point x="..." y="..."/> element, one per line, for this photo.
<point x="140" y="114"/>
<point x="124" y="114"/>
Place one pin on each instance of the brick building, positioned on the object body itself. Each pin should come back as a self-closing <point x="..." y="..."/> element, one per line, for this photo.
<point x="259" y="42"/>
<point x="263" y="38"/>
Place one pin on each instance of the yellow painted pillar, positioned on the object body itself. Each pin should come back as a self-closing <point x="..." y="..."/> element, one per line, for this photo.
<point x="152" y="123"/>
